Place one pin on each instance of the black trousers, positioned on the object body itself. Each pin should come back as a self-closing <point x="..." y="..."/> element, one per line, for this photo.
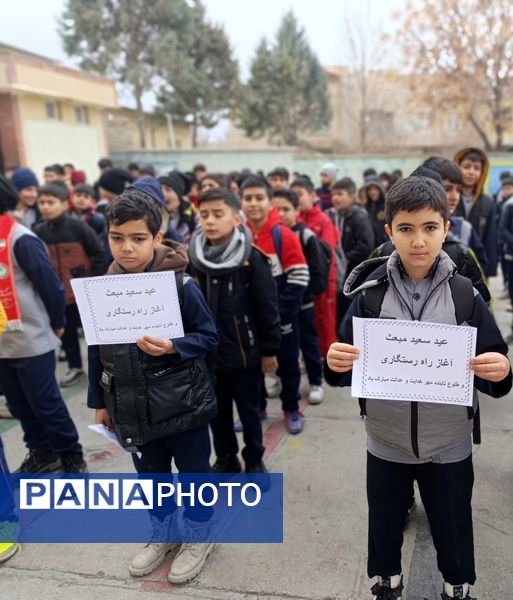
<point x="190" y="451"/>
<point x="288" y="365"/>
<point x="34" y="398"/>
<point x="70" y="341"/>
<point x="309" y="342"/>
<point x="243" y="387"/>
<point x="446" y="492"/>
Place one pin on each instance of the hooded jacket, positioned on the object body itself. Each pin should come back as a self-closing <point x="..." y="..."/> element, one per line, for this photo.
<point x="242" y="295"/>
<point x="419" y="430"/>
<point x="376" y="210"/>
<point x="289" y="267"/>
<point x="135" y="387"/>
<point x="482" y="214"/>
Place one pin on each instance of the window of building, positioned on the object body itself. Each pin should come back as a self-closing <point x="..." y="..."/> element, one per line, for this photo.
<point x="81" y="114"/>
<point x="53" y="110"/>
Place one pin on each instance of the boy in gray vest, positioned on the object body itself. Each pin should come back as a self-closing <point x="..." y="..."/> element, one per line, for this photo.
<point x="414" y="440"/>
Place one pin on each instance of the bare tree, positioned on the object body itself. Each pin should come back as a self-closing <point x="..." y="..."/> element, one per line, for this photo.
<point x="365" y="99"/>
<point x="464" y="49"/>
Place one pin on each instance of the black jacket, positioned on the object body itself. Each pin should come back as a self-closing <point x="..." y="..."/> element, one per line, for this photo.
<point x="244" y="304"/>
<point x="357" y="235"/>
<point x="482" y="216"/>
<point x="315" y="256"/>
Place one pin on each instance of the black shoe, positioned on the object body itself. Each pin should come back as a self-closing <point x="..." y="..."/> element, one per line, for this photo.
<point x="383" y="591"/>
<point x="227" y="464"/>
<point x="458" y="593"/>
<point x="256" y="468"/>
<point x="40" y="461"/>
<point x="74" y="463"/>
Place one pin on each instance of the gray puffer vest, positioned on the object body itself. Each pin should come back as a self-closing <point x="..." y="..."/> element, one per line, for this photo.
<point x="419" y="429"/>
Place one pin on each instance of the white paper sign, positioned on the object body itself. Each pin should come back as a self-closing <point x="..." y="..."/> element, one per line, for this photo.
<point x="412" y="360"/>
<point x="119" y="309"/>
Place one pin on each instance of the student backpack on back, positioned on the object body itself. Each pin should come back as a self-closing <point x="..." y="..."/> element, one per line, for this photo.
<point x="462" y="292"/>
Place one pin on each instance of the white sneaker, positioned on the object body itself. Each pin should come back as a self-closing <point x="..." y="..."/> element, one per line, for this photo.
<point x="189" y="562"/>
<point x="272" y="386"/>
<point x="316" y="395"/>
<point x="71" y="377"/>
<point x="5" y="413"/>
<point x="152" y="555"/>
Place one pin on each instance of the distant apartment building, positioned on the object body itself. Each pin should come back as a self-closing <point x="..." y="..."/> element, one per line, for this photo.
<point x="382" y="111"/>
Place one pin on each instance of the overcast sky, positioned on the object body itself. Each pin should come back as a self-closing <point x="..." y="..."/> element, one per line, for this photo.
<point x="32" y="24"/>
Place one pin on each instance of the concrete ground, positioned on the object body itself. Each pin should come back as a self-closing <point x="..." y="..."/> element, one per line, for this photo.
<point x="323" y="556"/>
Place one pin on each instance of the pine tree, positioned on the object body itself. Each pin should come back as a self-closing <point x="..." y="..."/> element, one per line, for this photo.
<point x="286" y="95"/>
<point x="204" y="84"/>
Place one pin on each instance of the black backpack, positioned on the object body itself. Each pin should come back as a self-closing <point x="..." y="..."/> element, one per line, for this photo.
<point x="462" y="291"/>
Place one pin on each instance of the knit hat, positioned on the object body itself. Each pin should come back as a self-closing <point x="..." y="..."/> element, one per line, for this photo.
<point x="24" y="178"/>
<point x="8" y="195"/>
<point x="77" y="177"/>
<point x="176" y="181"/>
<point x="330" y="169"/>
<point x="151" y="187"/>
<point x="507" y="181"/>
<point x="423" y="171"/>
<point x="115" y="180"/>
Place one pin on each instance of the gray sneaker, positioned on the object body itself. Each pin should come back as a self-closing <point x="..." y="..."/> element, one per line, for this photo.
<point x="71" y="377"/>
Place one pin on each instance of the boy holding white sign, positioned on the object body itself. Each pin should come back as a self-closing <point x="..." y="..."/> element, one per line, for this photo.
<point x="429" y="442"/>
<point x="157" y="394"/>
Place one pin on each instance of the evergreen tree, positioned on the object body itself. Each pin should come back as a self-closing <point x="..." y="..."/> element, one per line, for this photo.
<point x="286" y="95"/>
<point x="204" y="84"/>
<point x="127" y="40"/>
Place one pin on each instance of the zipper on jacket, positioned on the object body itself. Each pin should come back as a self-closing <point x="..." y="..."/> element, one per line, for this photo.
<point x="414" y="415"/>
<point x="237" y="331"/>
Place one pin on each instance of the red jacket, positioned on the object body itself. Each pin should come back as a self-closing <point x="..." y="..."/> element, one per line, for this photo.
<point x="321" y="225"/>
<point x="289" y="267"/>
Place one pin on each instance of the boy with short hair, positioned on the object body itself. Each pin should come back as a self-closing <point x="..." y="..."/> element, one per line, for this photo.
<point x="356" y="233"/>
<point x="476" y="206"/>
<point x="506" y="236"/>
<point x="237" y="282"/>
<point x="26" y="184"/>
<point x="287" y="203"/>
<point x="278" y="178"/>
<point x="75" y="251"/>
<point x="54" y="173"/>
<point x="291" y="275"/>
<point x="33" y="299"/>
<point x="328" y="176"/>
<point x="83" y="207"/>
<point x="429" y="442"/>
<point x="325" y="304"/>
<point x="176" y="429"/>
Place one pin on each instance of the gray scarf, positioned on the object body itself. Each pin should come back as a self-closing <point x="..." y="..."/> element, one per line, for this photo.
<point x="220" y="260"/>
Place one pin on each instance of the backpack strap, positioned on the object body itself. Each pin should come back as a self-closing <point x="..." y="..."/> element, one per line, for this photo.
<point x="462" y="291"/>
<point x="181" y="280"/>
<point x="373" y="299"/>
<point x="276" y="233"/>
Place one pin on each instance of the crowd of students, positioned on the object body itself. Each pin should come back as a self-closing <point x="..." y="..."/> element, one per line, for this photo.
<point x="269" y="271"/>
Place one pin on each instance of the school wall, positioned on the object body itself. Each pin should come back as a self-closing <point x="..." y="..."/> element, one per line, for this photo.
<point x="265" y="159"/>
<point x="61" y="140"/>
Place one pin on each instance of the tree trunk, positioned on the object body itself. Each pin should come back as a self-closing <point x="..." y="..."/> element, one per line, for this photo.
<point x="480" y="131"/>
<point x="140" y="118"/>
<point x="194" y="131"/>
